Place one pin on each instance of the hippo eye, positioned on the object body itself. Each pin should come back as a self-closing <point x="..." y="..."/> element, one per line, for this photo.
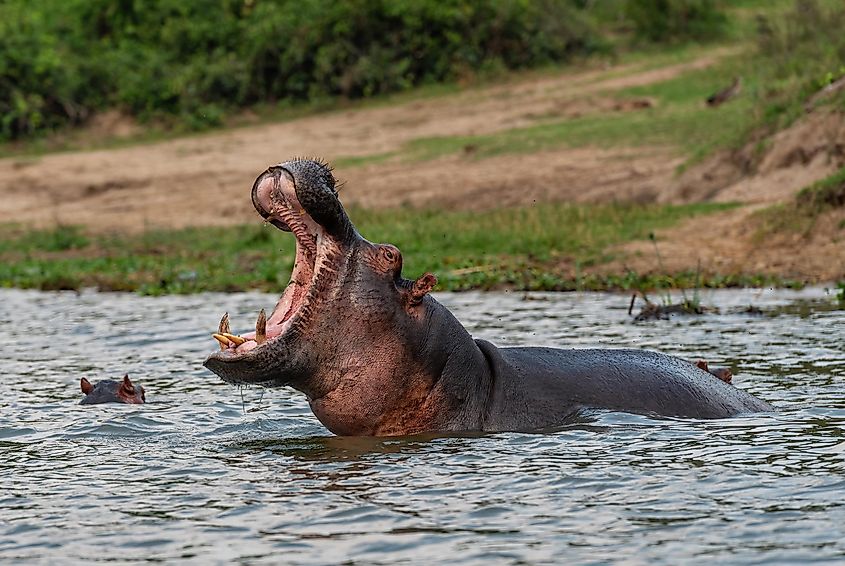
<point x="389" y="255"/>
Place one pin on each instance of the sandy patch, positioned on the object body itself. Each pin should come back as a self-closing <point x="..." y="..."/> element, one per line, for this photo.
<point x="202" y="180"/>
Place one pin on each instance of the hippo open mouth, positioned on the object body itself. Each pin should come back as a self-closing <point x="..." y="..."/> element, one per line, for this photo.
<point x="274" y="196"/>
<point x="375" y="354"/>
<point x="280" y="200"/>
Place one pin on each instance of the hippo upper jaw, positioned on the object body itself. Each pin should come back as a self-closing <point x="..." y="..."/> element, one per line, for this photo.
<point x="301" y="202"/>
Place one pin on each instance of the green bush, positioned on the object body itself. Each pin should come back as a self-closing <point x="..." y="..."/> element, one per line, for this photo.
<point x="676" y="20"/>
<point x="62" y="60"/>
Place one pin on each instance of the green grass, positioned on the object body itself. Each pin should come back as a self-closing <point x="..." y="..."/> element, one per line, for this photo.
<point x="825" y="194"/>
<point x="780" y="72"/>
<point x="679" y="119"/>
<point x="801" y="213"/>
<point x="547" y="247"/>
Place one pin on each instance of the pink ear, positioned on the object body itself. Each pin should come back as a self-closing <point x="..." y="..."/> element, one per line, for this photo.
<point x="127" y="384"/>
<point x="422" y="287"/>
<point x="86" y="386"/>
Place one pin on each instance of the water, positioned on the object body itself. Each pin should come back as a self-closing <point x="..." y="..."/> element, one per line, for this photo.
<point x="201" y="475"/>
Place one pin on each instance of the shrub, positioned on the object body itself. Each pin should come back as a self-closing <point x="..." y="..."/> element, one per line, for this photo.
<point x="676" y="20"/>
<point x="62" y="60"/>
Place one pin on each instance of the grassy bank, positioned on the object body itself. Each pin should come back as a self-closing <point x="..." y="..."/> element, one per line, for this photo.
<point x="676" y="117"/>
<point x="190" y="66"/>
<point x="791" y="52"/>
<point x="548" y="247"/>
<point x="799" y="215"/>
<point x="786" y="51"/>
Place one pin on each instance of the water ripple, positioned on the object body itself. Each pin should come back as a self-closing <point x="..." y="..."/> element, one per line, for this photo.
<point x="207" y="473"/>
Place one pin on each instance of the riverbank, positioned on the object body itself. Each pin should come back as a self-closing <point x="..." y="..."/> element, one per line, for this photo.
<point x="599" y="157"/>
<point x="549" y="247"/>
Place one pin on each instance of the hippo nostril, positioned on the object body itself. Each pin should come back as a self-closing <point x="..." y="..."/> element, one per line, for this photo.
<point x="268" y="186"/>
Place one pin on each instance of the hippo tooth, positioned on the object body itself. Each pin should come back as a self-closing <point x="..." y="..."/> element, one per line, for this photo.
<point x="261" y="328"/>
<point x="224" y="324"/>
<point x="224" y="342"/>
<point x="237" y="340"/>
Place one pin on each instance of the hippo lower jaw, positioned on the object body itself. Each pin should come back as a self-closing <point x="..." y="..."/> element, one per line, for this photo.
<point x="244" y="359"/>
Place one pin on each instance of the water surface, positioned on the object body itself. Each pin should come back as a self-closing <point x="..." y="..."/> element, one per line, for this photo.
<point x="205" y="473"/>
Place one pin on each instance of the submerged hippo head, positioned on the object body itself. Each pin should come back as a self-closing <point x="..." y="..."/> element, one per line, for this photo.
<point x="109" y="391"/>
<point x="347" y="329"/>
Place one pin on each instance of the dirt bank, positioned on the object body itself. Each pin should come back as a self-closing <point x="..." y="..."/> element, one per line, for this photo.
<point x="203" y="180"/>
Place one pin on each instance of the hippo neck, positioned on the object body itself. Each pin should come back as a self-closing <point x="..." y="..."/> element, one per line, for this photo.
<point x="445" y="383"/>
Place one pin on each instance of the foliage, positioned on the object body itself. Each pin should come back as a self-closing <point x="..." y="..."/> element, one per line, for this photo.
<point x="192" y="63"/>
<point x="62" y="60"/>
<point x="663" y="21"/>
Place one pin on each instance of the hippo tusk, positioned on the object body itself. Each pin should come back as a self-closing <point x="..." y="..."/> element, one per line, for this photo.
<point x="224" y="342"/>
<point x="224" y="324"/>
<point x="261" y="328"/>
<point x="236" y="340"/>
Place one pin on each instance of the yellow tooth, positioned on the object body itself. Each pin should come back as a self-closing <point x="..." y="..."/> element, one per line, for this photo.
<point x="261" y="328"/>
<point x="224" y="342"/>
<point x="224" y="324"/>
<point x="237" y="340"/>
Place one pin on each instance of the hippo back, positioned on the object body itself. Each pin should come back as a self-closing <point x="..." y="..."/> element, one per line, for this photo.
<point x="543" y="385"/>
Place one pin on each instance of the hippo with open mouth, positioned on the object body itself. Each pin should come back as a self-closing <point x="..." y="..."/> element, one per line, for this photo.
<point x="376" y="355"/>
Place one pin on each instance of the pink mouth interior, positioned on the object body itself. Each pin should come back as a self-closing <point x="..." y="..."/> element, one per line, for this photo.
<point x="279" y="198"/>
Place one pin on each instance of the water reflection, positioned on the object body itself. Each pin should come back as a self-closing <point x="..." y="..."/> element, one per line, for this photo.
<point x="201" y="473"/>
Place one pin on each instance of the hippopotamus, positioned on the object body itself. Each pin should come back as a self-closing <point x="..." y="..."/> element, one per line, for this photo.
<point x="376" y="355"/>
<point x="110" y="391"/>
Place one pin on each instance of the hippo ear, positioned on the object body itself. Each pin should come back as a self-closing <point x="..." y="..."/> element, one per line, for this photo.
<point x="127" y="384"/>
<point x="86" y="386"/>
<point x="421" y="287"/>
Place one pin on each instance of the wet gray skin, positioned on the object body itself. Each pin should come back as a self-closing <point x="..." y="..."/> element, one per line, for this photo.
<point x="110" y="391"/>
<point x="376" y="355"/>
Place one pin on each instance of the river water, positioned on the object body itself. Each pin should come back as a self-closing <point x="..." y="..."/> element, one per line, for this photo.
<point x="204" y="473"/>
